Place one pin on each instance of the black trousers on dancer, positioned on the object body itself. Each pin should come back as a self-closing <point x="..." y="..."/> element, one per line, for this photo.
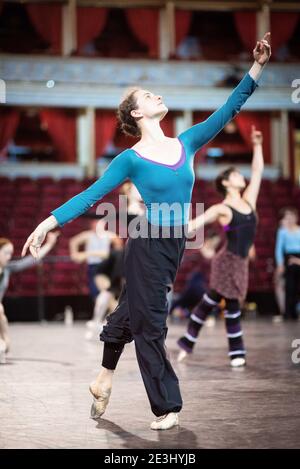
<point x="150" y="266"/>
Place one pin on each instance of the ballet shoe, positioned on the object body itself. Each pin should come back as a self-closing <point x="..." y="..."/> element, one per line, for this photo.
<point x="165" y="422"/>
<point x="100" y="402"/>
<point x="182" y="356"/>
<point x="237" y="362"/>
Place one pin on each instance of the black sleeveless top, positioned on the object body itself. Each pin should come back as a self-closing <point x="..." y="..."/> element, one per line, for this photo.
<point x="240" y="232"/>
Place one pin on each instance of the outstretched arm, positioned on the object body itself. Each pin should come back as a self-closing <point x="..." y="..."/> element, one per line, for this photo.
<point x="279" y="251"/>
<point x="252" y="190"/>
<point x="200" y="134"/>
<point x="118" y="170"/>
<point x="209" y="216"/>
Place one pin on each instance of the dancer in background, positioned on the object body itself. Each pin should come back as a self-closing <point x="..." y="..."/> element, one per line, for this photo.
<point x="229" y="269"/>
<point x="8" y="267"/>
<point x="287" y="253"/>
<point x="93" y="246"/>
<point x="109" y="277"/>
<point x="135" y="205"/>
<point x="278" y="279"/>
<point x="162" y="170"/>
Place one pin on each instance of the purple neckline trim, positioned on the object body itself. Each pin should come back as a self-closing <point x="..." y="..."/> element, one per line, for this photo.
<point x="180" y="162"/>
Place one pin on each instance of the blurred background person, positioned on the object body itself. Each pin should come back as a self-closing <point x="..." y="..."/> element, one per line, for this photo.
<point x="7" y="267"/>
<point x="91" y="246"/>
<point x="287" y="253"/>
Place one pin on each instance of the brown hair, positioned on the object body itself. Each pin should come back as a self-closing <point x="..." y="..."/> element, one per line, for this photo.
<point x="4" y="241"/>
<point x="224" y="176"/>
<point x="285" y="210"/>
<point x="127" y="122"/>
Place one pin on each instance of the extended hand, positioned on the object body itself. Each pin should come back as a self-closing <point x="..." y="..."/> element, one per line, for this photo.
<point x="34" y="242"/>
<point x="79" y="257"/>
<point x="256" y="136"/>
<point x="262" y="50"/>
<point x="52" y="237"/>
<point x="293" y="260"/>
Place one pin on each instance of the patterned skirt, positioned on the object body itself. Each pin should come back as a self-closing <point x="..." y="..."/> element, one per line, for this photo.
<point x="229" y="274"/>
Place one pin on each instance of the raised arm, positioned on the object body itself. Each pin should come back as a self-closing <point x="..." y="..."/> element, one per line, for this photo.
<point x="200" y="134"/>
<point x="279" y="250"/>
<point x="118" y="170"/>
<point x="252" y="190"/>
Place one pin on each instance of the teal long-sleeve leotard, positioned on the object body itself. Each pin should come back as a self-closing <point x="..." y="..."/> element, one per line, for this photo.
<point x="158" y="183"/>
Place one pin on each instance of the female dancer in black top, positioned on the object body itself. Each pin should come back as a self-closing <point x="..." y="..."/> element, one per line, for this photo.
<point x="229" y="269"/>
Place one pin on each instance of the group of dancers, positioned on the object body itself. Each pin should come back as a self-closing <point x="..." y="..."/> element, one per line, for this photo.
<point x="161" y="168"/>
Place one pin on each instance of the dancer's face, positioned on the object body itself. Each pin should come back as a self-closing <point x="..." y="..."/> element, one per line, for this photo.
<point x="290" y="219"/>
<point x="236" y="180"/>
<point x="149" y="105"/>
<point x="6" y="253"/>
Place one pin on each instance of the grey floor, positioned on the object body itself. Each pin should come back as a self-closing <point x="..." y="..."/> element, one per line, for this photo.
<point x="45" y="403"/>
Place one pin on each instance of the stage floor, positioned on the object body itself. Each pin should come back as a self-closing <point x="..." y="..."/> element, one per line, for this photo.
<point x="45" y="403"/>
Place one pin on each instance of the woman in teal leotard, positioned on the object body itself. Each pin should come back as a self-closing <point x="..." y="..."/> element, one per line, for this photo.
<point x="162" y="170"/>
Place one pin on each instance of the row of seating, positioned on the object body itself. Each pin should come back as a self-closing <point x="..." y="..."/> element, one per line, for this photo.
<point x="25" y="202"/>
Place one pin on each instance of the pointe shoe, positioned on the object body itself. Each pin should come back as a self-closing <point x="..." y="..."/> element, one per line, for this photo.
<point x="236" y="362"/>
<point x="100" y="402"/>
<point x="165" y="422"/>
<point x="182" y="356"/>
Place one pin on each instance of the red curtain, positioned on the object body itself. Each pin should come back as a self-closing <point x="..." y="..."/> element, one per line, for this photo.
<point x="262" y="122"/>
<point x="105" y="128"/>
<point x="61" y="125"/>
<point x="182" y="24"/>
<point x="47" y="20"/>
<point x="124" y="141"/>
<point x="90" y="23"/>
<point x="199" y="116"/>
<point x="144" y="23"/>
<point x="283" y="25"/>
<point x="9" y="120"/>
<point x="168" y="125"/>
<point x="245" y="23"/>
